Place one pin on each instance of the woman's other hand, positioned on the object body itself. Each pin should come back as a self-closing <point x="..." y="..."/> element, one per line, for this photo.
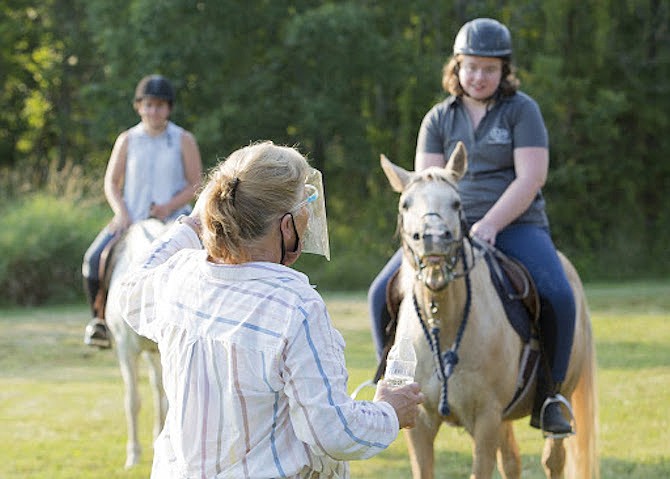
<point x="404" y="399"/>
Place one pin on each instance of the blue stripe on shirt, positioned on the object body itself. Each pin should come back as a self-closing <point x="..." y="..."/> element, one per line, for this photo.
<point x="156" y="253"/>
<point x="275" y="408"/>
<point x="233" y="322"/>
<point x="186" y="389"/>
<point x="326" y="383"/>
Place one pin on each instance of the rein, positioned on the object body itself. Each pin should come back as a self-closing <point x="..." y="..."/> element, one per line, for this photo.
<point x="451" y="260"/>
<point x="445" y="362"/>
<point x="436" y="281"/>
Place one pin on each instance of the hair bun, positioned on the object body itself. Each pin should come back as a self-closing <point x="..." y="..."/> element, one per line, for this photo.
<point x="228" y="193"/>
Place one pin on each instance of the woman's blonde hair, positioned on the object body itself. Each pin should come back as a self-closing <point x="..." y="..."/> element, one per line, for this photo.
<point x="247" y="194"/>
<point x="509" y="83"/>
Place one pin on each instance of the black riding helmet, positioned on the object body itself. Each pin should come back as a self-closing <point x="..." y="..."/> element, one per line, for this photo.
<point x="484" y="37"/>
<point x="156" y="86"/>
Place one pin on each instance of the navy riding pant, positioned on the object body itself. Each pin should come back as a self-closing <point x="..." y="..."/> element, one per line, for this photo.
<point x="90" y="268"/>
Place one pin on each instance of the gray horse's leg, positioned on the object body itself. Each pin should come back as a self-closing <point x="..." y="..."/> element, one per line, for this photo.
<point x="553" y="458"/>
<point x="128" y="366"/>
<point x="420" y="442"/>
<point x="160" y="400"/>
<point x="509" y="458"/>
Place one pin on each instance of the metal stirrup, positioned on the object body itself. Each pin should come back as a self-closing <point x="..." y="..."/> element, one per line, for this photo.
<point x="558" y="398"/>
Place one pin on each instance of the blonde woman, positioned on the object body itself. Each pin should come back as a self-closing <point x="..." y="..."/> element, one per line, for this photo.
<point x="253" y="368"/>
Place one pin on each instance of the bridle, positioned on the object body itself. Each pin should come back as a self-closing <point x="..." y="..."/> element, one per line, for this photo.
<point x="449" y="259"/>
<point x="436" y="278"/>
<point x="451" y="253"/>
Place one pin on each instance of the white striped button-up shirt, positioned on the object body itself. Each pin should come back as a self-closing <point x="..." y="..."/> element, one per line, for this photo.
<point x="253" y="369"/>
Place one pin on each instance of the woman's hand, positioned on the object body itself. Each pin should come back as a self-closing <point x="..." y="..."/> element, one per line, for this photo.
<point x="485" y="231"/>
<point x="160" y="212"/>
<point x="404" y="399"/>
<point x="194" y="220"/>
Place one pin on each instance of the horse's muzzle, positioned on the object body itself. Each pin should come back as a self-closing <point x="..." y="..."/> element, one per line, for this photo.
<point x="437" y="276"/>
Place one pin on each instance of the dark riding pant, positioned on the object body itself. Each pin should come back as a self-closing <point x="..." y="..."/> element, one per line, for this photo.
<point x="532" y="246"/>
<point x="90" y="268"/>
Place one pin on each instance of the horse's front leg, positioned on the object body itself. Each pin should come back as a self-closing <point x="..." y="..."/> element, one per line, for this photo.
<point x="509" y="458"/>
<point x="486" y="440"/>
<point x="420" y="443"/>
<point x="128" y="365"/>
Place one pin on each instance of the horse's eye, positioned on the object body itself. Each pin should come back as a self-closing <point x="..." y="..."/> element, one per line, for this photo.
<point x="457" y="205"/>
<point x="405" y="204"/>
<point x="416" y="236"/>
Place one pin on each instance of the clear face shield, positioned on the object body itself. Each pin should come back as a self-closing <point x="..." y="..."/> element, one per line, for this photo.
<point x="315" y="238"/>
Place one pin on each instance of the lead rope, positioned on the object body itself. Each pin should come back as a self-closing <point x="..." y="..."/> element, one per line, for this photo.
<point x="447" y="362"/>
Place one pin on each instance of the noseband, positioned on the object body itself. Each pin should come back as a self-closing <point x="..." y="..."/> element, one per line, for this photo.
<point x="437" y="275"/>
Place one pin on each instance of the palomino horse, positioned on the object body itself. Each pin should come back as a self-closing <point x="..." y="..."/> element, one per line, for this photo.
<point x="129" y="345"/>
<point x="449" y="299"/>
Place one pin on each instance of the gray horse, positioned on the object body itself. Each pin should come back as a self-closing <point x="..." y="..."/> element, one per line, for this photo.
<point x="129" y="345"/>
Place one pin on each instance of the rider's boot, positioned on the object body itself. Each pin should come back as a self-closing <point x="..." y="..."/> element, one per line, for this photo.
<point x="97" y="334"/>
<point x="548" y="407"/>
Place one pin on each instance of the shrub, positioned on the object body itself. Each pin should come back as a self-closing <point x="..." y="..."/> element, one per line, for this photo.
<point x="43" y="238"/>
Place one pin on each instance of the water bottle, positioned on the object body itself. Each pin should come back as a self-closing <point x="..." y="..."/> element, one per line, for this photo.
<point x="400" y="363"/>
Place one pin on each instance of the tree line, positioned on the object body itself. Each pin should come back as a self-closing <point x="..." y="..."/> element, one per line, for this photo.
<point x="346" y="81"/>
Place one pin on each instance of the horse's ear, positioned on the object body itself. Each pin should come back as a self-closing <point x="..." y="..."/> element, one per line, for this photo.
<point x="458" y="162"/>
<point x="397" y="176"/>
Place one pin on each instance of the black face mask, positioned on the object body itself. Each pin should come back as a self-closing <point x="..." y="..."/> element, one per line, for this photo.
<point x="284" y="253"/>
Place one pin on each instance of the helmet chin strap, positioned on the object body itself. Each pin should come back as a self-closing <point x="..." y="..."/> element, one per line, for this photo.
<point x="283" y="245"/>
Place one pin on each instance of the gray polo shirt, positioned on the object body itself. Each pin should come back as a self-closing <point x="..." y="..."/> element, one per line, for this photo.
<point x="511" y="123"/>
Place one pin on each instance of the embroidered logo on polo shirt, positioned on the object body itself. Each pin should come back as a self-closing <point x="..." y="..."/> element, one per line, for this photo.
<point x="499" y="136"/>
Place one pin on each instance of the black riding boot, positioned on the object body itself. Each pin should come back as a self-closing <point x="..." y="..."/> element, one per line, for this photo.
<point x="96" y="332"/>
<point x="548" y="410"/>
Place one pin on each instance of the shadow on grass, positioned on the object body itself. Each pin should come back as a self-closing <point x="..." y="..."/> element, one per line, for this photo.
<point x="632" y="355"/>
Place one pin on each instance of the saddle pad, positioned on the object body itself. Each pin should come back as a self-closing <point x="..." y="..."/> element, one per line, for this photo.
<point x="517" y="314"/>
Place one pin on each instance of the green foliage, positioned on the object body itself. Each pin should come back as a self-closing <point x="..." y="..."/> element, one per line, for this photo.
<point x="43" y="238"/>
<point x="47" y="220"/>
<point x="346" y="81"/>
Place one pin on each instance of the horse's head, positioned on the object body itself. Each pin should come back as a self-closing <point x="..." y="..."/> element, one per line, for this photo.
<point x="430" y="217"/>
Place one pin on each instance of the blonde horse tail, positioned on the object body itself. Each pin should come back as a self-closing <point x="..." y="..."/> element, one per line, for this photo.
<point x="582" y="460"/>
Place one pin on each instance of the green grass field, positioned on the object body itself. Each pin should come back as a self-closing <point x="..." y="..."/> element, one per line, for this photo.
<point x="61" y="403"/>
